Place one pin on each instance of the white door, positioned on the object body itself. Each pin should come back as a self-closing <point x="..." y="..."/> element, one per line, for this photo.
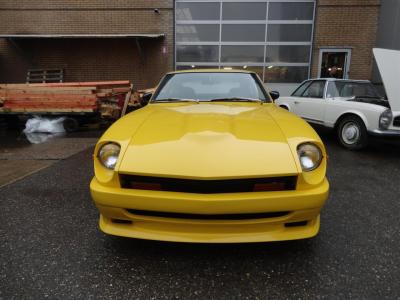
<point x="310" y="104"/>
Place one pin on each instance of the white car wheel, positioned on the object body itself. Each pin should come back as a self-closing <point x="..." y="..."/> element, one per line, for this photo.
<point x="352" y="133"/>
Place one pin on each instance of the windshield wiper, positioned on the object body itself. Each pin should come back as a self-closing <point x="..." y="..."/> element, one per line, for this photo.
<point x="175" y="100"/>
<point x="238" y="99"/>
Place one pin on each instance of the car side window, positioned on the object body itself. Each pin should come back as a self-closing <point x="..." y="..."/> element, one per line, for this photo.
<point x="315" y="89"/>
<point x="333" y="90"/>
<point x="300" y="90"/>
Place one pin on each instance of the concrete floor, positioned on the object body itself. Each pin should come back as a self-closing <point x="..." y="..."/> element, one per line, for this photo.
<point x="50" y="245"/>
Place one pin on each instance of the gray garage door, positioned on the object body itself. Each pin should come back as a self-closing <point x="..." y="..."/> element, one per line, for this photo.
<point x="272" y="38"/>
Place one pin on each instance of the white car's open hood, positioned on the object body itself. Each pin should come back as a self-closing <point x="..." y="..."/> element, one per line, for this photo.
<point x="389" y="66"/>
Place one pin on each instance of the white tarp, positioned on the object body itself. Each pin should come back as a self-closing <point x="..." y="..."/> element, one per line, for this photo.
<point x="38" y="137"/>
<point x="44" y="125"/>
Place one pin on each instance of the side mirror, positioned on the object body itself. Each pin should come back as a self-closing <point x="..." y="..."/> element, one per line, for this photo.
<point x="274" y="95"/>
<point x="145" y="98"/>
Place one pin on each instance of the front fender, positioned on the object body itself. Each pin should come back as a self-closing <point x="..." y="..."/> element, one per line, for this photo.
<point x="283" y="103"/>
<point x="359" y="114"/>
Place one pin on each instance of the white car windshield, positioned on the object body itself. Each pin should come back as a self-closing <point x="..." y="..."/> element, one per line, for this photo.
<point x="210" y="86"/>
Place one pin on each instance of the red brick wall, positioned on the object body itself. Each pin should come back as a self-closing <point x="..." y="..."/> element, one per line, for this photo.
<point x="347" y="23"/>
<point x="88" y="59"/>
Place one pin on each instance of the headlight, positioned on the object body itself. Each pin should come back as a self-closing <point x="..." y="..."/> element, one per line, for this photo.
<point x="310" y="156"/>
<point x="385" y="119"/>
<point x="108" y="155"/>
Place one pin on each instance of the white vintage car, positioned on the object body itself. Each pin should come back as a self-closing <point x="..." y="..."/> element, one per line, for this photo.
<point x="353" y="108"/>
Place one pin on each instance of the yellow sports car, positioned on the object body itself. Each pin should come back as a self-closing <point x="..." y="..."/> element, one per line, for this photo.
<point x="210" y="159"/>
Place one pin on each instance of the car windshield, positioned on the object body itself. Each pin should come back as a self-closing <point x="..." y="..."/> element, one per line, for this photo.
<point x="352" y="89"/>
<point x="210" y="86"/>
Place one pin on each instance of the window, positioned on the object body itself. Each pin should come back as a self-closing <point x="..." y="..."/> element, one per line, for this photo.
<point x="197" y="53"/>
<point x="197" y="11"/>
<point x="287" y="54"/>
<point x="243" y="33"/>
<point x="291" y="11"/>
<point x="273" y="37"/>
<point x="285" y="74"/>
<point x="315" y="89"/>
<point x="244" y="11"/>
<point x="300" y="90"/>
<point x="193" y="67"/>
<point x="259" y="70"/>
<point x="289" y="32"/>
<point x="351" y="89"/>
<point x="242" y="53"/>
<point x="208" y="86"/>
<point x="197" y="33"/>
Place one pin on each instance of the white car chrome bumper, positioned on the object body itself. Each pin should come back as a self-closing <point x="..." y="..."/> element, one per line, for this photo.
<point x="388" y="133"/>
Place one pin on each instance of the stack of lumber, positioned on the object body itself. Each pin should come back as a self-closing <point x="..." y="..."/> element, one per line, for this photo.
<point x="136" y="98"/>
<point x="105" y="97"/>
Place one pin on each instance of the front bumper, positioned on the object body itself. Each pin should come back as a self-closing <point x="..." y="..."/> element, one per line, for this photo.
<point x="301" y="205"/>
<point x="385" y="133"/>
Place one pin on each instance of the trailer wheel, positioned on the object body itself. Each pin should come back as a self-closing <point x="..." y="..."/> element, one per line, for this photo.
<point x="71" y="124"/>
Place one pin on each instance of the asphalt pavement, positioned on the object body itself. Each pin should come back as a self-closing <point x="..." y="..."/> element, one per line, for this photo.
<point x="24" y="154"/>
<point x="50" y="245"/>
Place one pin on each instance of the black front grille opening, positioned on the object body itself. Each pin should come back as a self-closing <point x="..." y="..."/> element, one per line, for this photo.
<point x="208" y="186"/>
<point x="296" y="224"/>
<point x="247" y="216"/>
<point x="120" y="221"/>
<point x="396" y="122"/>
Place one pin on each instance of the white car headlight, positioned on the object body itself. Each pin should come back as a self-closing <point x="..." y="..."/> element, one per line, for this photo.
<point x="310" y="156"/>
<point x="385" y="119"/>
<point x="108" y="155"/>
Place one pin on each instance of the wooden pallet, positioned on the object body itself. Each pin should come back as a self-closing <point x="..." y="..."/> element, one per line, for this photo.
<point x="45" y="75"/>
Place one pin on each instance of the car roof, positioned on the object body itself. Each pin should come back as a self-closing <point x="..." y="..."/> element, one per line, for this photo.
<point x="211" y="71"/>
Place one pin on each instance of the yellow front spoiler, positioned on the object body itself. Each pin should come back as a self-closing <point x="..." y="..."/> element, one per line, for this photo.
<point x="211" y="233"/>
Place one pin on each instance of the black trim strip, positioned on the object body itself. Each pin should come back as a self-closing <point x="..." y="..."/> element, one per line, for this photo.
<point x="314" y="121"/>
<point x="174" y="215"/>
<point x="208" y="186"/>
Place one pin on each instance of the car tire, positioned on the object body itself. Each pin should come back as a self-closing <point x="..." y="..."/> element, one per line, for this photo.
<point x="351" y="133"/>
<point x="71" y="124"/>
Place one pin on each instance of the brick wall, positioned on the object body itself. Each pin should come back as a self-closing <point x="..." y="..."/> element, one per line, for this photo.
<point x="88" y="59"/>
<point x="339" y="23"/>
<point x="13" y="66"/>
<point x="347" y="23"/>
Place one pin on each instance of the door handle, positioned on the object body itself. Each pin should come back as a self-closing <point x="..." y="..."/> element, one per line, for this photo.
<point x="296" y="102"/>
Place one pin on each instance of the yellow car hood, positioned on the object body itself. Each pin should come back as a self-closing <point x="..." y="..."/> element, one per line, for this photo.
<point x="208" y="140"/>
